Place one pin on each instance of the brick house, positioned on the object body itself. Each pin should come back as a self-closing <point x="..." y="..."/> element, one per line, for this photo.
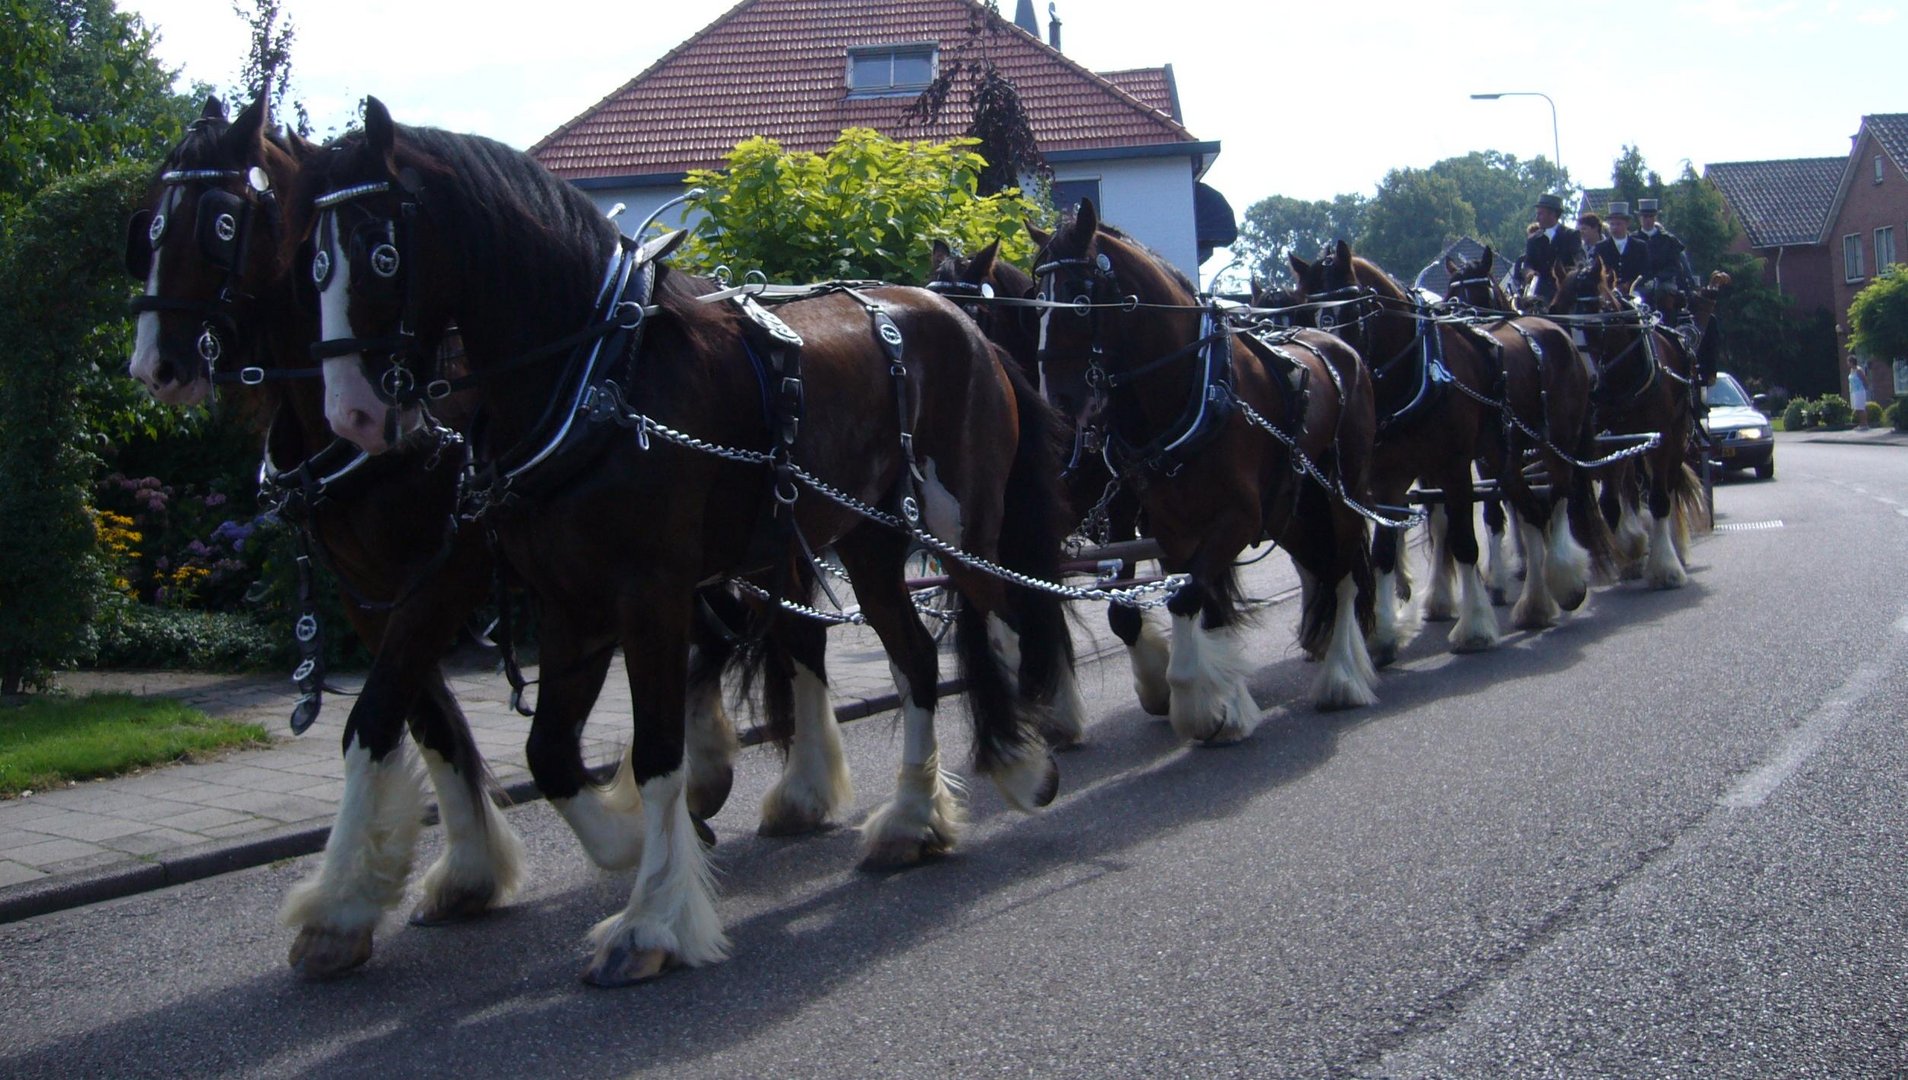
<point x="799" y="71"/>
<point x="1825" y="227"/>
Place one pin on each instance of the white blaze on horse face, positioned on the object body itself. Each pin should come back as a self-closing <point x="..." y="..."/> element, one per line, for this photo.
<point x="144" y="364"/>
<point x="352" y="407"/>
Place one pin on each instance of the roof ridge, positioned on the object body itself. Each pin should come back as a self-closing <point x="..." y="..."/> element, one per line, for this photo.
<point x="1108" y="85"/>
<point x="565" y="127"/>
<point x="1780" y="161"/>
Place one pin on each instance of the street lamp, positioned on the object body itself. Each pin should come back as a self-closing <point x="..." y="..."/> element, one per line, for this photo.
<point x="1555" y="146"/>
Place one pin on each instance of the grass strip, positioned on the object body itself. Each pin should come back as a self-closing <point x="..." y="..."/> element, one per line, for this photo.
<point x="49" y="741"/>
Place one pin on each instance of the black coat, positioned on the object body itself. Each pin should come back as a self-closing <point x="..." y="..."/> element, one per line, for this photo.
<point x="1633" y="263"/>
<point x="1541" y="253"/>
<point x="1666" y="255"/>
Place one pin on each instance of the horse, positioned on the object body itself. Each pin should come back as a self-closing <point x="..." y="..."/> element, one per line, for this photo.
<point x="1448" y="397"/>
<point x="1096" y="503"/>
<point x="1566" y="446"/>
<point x="1645" y="384"/>
<point x="1211" y="428"/>
<point x="220" y="294"/>
<point x="614" y="489"/>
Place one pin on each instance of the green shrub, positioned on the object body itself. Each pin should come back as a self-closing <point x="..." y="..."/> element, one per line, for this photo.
<point x="145" y="636"/>
<point x="1834" y="411"/>
<point x="1895" y="416"/>
<point x="1874" y="413"/>
<point x="1797" y="417"/>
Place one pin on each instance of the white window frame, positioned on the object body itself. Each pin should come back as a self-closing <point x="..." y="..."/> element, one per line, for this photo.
<point x="1878" y="168"/>
<point x="1884" y="248"/>
<point x="1852" y="257"/>
<point x="892" y="51"/>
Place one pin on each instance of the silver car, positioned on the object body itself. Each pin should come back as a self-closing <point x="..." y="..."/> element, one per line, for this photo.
<point x="1741" y="435"/>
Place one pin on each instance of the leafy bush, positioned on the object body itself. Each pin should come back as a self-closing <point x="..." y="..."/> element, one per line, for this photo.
<point x="1797" y="416"/>
<point x="1895" y="416"/>
<point x="1834" y="411"/>
<point x="871" y="207"/>
<point x="1874" y="414"/>
<point x="145" y="636"/>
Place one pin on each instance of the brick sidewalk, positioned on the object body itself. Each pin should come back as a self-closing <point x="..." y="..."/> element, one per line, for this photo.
<point x="177" y="823"/>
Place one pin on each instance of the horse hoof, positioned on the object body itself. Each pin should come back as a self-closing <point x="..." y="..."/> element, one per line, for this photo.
<point x="1049" y="784"/>
<point x="1061" y="741"/>
<point x="324" y="954"/>
<point x="789" y="820"/>
<point x="621" y="965"/>
<point x="706" y="795"/>
<point x="1384" y="655"/>
<point x="1473" y="644"/>
<point x="703" y="832"/>
<point x="1156" y="704"/>
<point x="1574" y="600"/>
<point x="901" y="853"/>
<point x="455" y="906"/>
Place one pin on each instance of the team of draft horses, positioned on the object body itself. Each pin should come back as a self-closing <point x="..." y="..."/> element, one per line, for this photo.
<point x="473" y="376"/>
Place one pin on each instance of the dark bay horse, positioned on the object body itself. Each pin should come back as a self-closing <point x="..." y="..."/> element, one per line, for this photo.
<point x="1565" y="446"/>
<point x="1441" y="390"/>
<point x="1645" y="383"/>
<point x="1175" y="387"/>
<point x="406" y="588"/>
<point x="979" y="284"/>
<point x="218" y="295"/>
<point x="903" y="409"/>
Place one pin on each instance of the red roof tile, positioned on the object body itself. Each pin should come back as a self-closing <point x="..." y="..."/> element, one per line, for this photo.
<point x="777" y="68"/>
<point x="1154" y="86"/>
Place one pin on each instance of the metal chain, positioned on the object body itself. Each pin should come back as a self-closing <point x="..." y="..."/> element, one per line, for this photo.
<point x="1304" y="464"/>
<point x="1133" y="597"/>
<point x="1596" y="463"/>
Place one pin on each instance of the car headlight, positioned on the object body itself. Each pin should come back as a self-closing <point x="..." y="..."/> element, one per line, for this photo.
<point x="1747" y="433"/>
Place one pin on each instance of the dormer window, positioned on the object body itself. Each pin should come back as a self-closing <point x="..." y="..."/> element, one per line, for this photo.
<point x="878" y="70"/>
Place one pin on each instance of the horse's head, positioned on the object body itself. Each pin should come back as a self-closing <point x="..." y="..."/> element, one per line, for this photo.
<point x="1584" y="288"/>
<point x="1106" y="278"/>
<point x="206" y="245"/>
<point x="974" y="282"/>
<point x="1338" y="292"/>
<point x="358" y="217"/>
<point x="1471" y="282"/>
<point x="1280" y="302"/>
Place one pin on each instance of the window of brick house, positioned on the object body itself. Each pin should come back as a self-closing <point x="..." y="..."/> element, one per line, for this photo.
<point x="1852" y="257"/>
<point x="1884" y="248"/>
<point x="876" y="70"/>
<point x="1878" y="168"/>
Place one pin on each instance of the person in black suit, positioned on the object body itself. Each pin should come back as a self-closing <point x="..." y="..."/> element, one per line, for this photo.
<point x="1669" y="268"/>
<point x="1627" y="256"/>
<point x="1553" y="244"/>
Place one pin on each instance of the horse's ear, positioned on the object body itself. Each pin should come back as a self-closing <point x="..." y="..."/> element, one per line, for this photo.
<point x="1343" y="254"/>
<point x="214" y="109"/>
<point x="241" y="141"/>
<point x="1484" y="260"/>
<point x="1040" y="236"/>
<point x="1300" y="267"/>
<point x="1452" y="268"/>
<point x="982" y="265"/>
<point x="1087" y="218"/>
<point x="380" y="133"/>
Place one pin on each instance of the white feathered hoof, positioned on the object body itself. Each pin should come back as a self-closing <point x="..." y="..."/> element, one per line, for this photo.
<point x="1029" y="779"/>
<point x="455" y="904"/>
<point x="707" y="793"/>
<point x="322" y="953"/>
<point x="1150" y="656"/>
<point x="1573" y="599"/>
<point x="623" y="965"/>
<point x="1535" y="611"/>
<point x="784" y="813"/>
<point x="1345" y="692"/>
<point x="922" y="821"/>
<point x="1383" y="652"/>
<point x="1479" y="641"/>
<point x="1214" y="715"/>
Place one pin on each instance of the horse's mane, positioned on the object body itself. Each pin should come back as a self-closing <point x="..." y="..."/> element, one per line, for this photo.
<point x="1373" y="276"/>
<point x="1159" y="261"/>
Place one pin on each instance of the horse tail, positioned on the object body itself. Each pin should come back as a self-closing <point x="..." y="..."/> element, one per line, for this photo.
<point x="755" y="644"/>
<point x="1587" y="522"/>
<point x="1686" y="504"/>
<point x="1035" y="505"/>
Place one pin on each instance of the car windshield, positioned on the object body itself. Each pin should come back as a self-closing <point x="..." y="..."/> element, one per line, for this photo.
<point x="1727" y="393"/>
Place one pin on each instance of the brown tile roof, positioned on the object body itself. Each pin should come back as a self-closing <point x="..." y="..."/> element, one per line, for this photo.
<point x="1153" y="86"/>
<point x="1780" y="203"/>
<point x="777" y="68"/>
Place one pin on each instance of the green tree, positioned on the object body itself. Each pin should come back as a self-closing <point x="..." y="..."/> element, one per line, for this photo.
<point x="871" y="207"/>
<point x="1502" y="190"/>
<point x="53" y="295"/>
<point x="1878" y="317"/>
<point x="1414" y="216"/>
<point x="1278" y="226"/>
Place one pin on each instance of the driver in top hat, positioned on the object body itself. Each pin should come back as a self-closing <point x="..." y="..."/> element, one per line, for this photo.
<point x="1669" y="268"/>
<point x="1627" y="256"/>
<point x="1553" y="244"/>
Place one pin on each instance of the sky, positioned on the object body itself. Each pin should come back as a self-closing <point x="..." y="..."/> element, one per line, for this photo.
<point x="1307" y="100"/>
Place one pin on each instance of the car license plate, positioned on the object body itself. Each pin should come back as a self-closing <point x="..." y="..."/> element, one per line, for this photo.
<point x="1726" y="451"/>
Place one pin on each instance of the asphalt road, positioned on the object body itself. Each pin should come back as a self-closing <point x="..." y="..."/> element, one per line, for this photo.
<point x="1661" y="840"/>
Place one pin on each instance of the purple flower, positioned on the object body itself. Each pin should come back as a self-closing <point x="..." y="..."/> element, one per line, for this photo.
<point x="215" y="499"/>
<point x="197" y="549"/>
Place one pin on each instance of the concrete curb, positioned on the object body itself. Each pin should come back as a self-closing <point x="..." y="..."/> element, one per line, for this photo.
<point x="79" y="888"/>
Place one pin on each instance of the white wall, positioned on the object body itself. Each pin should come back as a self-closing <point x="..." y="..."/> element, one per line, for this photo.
<point x="1150" y="198"/>
<point x="639" y="203"/>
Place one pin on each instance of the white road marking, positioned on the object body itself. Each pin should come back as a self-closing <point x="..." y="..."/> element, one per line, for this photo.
<point x="1802" y="743"/>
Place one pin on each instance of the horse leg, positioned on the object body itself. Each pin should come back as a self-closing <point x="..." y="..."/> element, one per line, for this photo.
<point x="482" y="862"/>
<point x="1476" y="628"/>
<point x="814" y="787"/>
<point x="607" y="820"/>
<point x="1569" y="565"/>
<point x="671" y="918"/>
<point x="1385" y="634"/>
<point x="1665" y="567"/>
<point x="1211" y="702"/>
<point x="1632" y="536"/>
<point x="368" y="854"/>
<point x="1499" y="575"/>
<point x="1331" y="540"/>
<point x="1535" y="609"/>
<point x="925" y="817"/>
<point x="1147" y="652"/>
<point x="1440" y="601"/>
<point x="710" y="739"/>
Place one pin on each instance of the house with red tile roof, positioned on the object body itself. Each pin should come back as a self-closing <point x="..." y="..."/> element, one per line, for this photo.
<point x="1825" y="227"/>
<point x="800" y="71"/>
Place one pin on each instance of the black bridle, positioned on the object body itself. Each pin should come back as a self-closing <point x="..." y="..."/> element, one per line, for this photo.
<point x="376" y="251"/>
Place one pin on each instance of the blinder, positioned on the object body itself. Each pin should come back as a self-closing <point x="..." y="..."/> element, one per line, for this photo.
<point x="144" y="232"/>
<point x="221" y="227"/>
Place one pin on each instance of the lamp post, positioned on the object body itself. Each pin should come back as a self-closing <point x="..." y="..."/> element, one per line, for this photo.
<point x="1556" y="148"/>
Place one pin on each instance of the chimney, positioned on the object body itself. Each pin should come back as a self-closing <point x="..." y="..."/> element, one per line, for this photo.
<point x="1024" y="18"/>
<point x="1053" y="27"/>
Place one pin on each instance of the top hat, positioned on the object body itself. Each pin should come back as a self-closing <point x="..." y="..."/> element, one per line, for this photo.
<point x="1646" y="206"/>
<point x="1619" y="210"/>
<point x="1548" y="201"/>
